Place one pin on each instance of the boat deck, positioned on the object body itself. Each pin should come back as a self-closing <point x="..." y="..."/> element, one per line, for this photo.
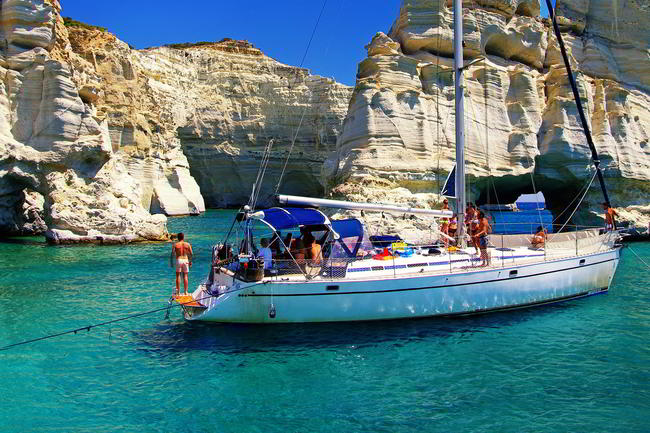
<point x="419" y="264"/>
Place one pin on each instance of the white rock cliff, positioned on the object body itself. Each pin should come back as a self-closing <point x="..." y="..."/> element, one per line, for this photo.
<point x="521" y="119"/>
<point x="100" y="131"/>
<point x="96" y="136"/>
<point x="54" y="152"/>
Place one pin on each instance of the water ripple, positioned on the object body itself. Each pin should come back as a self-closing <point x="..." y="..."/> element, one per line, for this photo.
<point x="577" y="366"/>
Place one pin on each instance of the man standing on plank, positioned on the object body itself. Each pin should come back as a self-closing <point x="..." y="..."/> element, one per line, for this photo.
<point x="182" y="252"/>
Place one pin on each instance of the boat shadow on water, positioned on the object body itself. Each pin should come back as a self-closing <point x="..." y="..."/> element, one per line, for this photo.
<point x="245" y="338"/>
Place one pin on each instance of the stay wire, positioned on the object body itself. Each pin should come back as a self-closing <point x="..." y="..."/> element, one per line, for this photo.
<point x="586" y="185"/>
<point x="438" y="91"/>
<point x="304" y="111"/>
<point x="486" y="143"/>
<point x="261" y="173"/>
<point x="531" y="163"/>
<point x="639" y="257"/>
<point x="580" y="202"/>
<point x="304" y="56"/>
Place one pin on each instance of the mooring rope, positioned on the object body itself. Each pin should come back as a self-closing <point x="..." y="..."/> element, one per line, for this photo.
<point x="639" y="257"/>
<point x="119" y="319"/>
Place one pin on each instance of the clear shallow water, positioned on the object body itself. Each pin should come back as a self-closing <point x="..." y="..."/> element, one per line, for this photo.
<point x="579" y="366"/>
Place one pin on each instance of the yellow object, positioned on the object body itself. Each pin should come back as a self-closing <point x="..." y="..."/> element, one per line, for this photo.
<point x="398" y="246"/>
<point x="187" y="301"/>
<point x="453" y="249"/>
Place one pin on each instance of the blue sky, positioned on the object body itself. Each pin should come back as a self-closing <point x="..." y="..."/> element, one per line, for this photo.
<point x="280" y="32"/>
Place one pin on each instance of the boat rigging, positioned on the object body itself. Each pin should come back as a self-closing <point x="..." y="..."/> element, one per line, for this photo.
<point x="313" y="268"/>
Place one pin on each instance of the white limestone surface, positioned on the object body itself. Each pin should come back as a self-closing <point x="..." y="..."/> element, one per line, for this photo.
<point x="520" y="116"/>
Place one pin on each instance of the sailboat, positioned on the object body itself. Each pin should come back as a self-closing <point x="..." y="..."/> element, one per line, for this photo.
<point x="356" y="277"/>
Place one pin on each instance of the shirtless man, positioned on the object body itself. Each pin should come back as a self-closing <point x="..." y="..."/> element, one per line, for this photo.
<point x="481" y="237"/>
<point x="610" y="213"/>
<point x="182" y="252"/>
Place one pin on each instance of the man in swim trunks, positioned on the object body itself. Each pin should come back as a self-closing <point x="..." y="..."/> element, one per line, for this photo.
<point x="182" y="253"/>
<point x="481" y="237"/>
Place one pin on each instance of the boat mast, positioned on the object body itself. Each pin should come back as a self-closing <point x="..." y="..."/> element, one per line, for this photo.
<point x="576" y="96"/>
<point x="460" y="120"/>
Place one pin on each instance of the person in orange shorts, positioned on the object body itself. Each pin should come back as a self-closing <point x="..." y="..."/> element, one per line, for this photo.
<point x="181" y="257"/>
<point x="610" y="214"/>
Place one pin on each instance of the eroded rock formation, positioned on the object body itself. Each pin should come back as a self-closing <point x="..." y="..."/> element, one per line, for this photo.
<point x="96" y="136"/>
<point x="520" y="115"/>
<point x="243" y="100"/>
<point x="57" y="167"/>
<point x="101" y="131"/>
<point x="208" y="109"/>
<point x="143" y="113"/>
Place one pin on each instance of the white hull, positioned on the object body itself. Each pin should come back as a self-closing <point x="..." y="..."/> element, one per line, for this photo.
<point x="421" y="293"/>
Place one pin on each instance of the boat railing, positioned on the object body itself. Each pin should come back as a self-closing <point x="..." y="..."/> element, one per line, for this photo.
<point x="503" y="250"/>
<point x="572" y="240"/>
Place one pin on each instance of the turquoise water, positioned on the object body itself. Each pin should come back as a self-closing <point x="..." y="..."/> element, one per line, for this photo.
<point x="579" y="366"/>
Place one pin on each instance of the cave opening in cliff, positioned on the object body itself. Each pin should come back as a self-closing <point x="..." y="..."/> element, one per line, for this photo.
<point x="301" y="183"/>
<point x="504" y="190"/>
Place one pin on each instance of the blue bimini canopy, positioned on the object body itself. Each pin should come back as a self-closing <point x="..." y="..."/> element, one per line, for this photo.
<point x="348" y="228"/>
<point x="287" y="218"/>
<point x="350" y="233"/>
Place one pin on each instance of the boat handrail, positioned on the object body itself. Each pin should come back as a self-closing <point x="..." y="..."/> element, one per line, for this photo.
<point x="430" y="258"/>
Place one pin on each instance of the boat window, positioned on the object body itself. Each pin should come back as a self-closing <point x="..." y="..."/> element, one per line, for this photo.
<point x="352" y="242"/>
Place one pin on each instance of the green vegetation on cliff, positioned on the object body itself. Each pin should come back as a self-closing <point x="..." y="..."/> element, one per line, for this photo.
<point x="188" y="45"/>
<point x="223" y="43"/>
<point x="69" y="22"/>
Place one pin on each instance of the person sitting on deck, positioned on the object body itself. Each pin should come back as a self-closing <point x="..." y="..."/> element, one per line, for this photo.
<point x="266" y="253"/>
<point x="224" y="255"/>
<point x="539" y="239"/>
<point x="226" y="258"/>
<point x="314" y="250"/>
<point x="298" y="253"/>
